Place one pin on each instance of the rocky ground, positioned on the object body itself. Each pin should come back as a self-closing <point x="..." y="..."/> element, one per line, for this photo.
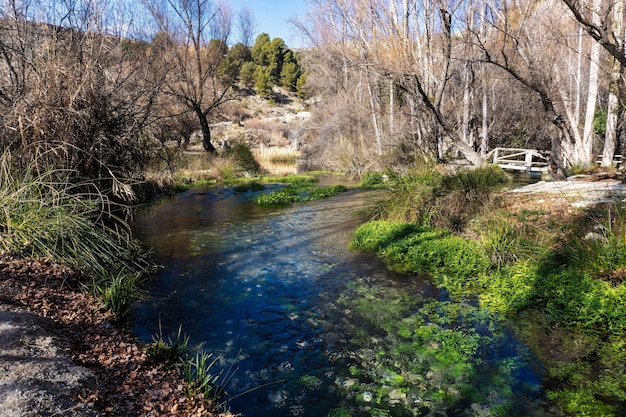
<point x="60" y="354"/>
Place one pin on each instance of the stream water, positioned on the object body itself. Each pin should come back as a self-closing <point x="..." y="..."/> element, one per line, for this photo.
<point x="308" y="327"/>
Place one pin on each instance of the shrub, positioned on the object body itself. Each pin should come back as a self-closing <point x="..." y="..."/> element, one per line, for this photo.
<point x="45" y="214"/>
<point x="372" y="180"/>
<point x="242" y="153"/>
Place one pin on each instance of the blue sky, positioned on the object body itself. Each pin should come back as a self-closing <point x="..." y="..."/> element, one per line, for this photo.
<point x="272" y="15"/>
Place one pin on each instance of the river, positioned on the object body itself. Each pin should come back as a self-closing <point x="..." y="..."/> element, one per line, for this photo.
<point x="303" y="326"/>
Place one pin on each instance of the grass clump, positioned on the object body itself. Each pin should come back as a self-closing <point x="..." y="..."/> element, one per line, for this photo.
<point x="426" y="197"/>
<point x="118" y="292"/>
<point x="168" y="352"/>
<point x="47" y="215"/>
<point x="198" y="372"/>
<point x="241" y="152"/>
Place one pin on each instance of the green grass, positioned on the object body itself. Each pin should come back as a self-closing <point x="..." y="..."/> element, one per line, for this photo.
<point x="46" y="214"/>
<point x="168" y="352"/>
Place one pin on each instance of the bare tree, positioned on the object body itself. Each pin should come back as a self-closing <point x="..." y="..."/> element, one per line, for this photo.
<point x="68" y="78"/>
<point x="197" y="34"/>
<point x="247" y="26"/>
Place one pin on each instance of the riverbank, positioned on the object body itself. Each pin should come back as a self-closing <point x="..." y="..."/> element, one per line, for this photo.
<point x="548" y="258"/>
<point x="50" y="327"/>
<point x="60" y="354"/>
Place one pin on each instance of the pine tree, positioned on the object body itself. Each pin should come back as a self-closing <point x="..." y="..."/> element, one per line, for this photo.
<point x="247" y="74"/>
<point x="263" y="81"/>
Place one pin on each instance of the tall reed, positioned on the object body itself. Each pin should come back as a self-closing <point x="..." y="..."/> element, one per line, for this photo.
<point x="44" y="213"/>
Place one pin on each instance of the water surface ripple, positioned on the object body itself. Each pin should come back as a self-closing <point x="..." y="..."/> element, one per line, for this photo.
<point x="270" y="291"/>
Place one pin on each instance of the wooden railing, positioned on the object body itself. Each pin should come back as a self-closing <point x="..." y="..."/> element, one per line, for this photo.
<point x="518" y="159"/>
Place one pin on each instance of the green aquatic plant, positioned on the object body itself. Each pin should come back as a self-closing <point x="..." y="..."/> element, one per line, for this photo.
<point x="297" y="192"/>
<point x="249" y="186"/>
<point x="452" y="260"/>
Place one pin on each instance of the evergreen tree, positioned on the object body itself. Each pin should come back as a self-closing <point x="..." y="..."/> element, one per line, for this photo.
<point x="260" y="50"/>
<point x="301" y="88"/>
<point x="247" y="74"/>
<point x="232" y="63"/>
<point x="290" y="71"/>
<point x="275" y="52"/>
<point x="263" y="81"/>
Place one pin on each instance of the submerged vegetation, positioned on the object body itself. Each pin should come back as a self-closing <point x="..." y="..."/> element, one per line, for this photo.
<point x="559" y="279"/>
<point x="298" y="189"/>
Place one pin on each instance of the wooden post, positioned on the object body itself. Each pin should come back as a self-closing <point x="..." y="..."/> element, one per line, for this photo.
<point x="529" y="160"/>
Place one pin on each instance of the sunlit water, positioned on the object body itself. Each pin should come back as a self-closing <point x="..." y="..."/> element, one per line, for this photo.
<point x="270" y="292"/>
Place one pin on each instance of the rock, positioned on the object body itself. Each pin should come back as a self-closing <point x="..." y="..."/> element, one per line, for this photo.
<point x="43" y="381"/>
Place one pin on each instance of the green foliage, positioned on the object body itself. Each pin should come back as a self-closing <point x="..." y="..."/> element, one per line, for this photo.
<point x="599" y="121"/>
<point x="240" y="150"/>
<point x="263" y="81"/>
<point x="425" y="197"/>
<point x="260" y="49"/>
<point x="412" y="197"/>
<point x="574" y="285"/>
<point x="118" y="293"/>
<point x="274" y="64"/>
<point x="167" y="352"/>
<point x="249" y="186"/>
<point x="581" y="403"/>
<point x="231" y="65"/>
<point x="340" y="412"/>
<point x="506" y="238"/>
<point x="301" y="87"/>
<point x="296" y="192"/>
<point x="246" y="74"/>
<point x="376" y="236"/>
<point x="292" y="178"/>
<point x="436" y="345"/>
<point x="372" y="180"/>
<point x="45" y="214"/>
<point x="289" y="76"/>
<point x="199" y="375"/>
<point x="408" y="248"/>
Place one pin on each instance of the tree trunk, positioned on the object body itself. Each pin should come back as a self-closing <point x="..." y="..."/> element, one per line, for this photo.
<point x="206" y="132"/>
<point x="466" y="104"/>
<point x="585" y="154"/>
<point x="392" y="108"/>
<point x="615" y="88"/>
<point x="484" y="143"/>
<point x="377" y="134"/>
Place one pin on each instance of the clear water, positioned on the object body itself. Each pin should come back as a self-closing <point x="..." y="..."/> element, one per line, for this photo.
<point x="277" y="295"/>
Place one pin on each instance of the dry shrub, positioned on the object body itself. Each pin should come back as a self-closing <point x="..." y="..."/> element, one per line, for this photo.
<point x="267" y="132"/>
<point x="236" y="113"/>
<point x="276" y="155"/>
<point x="224" y="168"/>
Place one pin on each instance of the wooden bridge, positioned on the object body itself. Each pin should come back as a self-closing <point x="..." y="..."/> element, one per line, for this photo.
<point x="518" y="159"/>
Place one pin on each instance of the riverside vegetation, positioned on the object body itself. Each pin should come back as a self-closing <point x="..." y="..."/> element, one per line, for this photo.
<point x="558" y="277"/>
